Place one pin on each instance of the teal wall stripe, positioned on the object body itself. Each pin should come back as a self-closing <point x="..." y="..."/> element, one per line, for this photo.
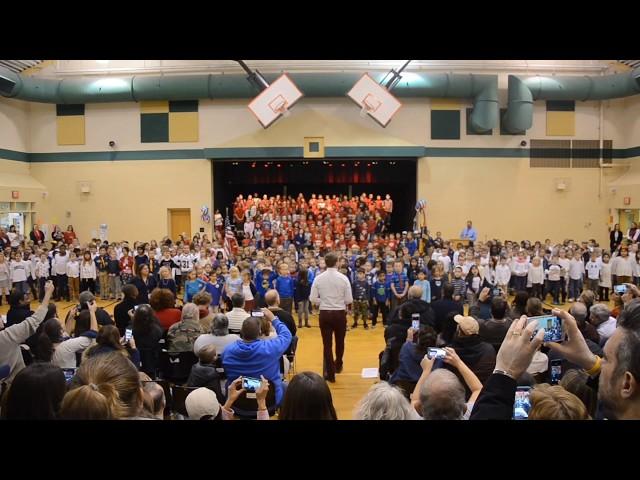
<point x="374" y="151"/>
<point x="477" y="152"/>
<point x="117" y="156"/>
<point x="13" y="155"/>
<point x="283" y="152"/>
<point x="255" y="152"/>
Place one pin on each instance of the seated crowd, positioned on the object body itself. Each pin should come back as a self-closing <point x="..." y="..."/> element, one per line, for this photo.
<point x="206" y="331"/>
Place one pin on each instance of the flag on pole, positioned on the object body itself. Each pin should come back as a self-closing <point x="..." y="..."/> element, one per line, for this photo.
<point x="228" y="236"/>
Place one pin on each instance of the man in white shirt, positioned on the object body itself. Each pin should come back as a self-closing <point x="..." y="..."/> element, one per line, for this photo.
<point x="238" y="314"/>
<point x="332" y="291"/>
<point x="601" y="318"/>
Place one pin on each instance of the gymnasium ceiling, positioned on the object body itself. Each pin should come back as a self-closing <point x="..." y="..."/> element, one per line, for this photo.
<point x="19" y="65"/>
<point x="120" y="67"/>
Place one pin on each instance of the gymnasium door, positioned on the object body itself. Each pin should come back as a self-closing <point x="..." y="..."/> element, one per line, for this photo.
<point x="627" y="216"/>
<point x="179" y="222"/>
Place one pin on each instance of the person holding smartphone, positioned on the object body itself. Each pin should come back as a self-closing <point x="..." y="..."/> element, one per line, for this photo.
<point x="252" y="357"/>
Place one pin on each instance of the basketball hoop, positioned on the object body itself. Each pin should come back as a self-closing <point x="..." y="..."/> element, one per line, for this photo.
<point x="279" y="106"/>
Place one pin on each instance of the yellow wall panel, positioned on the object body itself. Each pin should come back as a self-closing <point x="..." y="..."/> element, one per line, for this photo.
<point x="71" y="130"/>
<point x="156" y="106"/>
<point x="445" y="104"/>
<point x="183" y="127"/>
<point x="561" y="123"/>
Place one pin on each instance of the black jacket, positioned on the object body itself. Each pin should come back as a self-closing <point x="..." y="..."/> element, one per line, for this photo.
<point x="286" y="318"/>
<point x="615" y="238"/>
<point x="18" y="314"/>
<point x="149" y="348"/>
<point x="144" y="289"/>
<point x="477" y="354"/>
<point x="121" y="315"/>
<point x="205" y="375"/>
<point x="496" y="399"/>
<point x="442" y="308"/>
<point x="427" y="315"/>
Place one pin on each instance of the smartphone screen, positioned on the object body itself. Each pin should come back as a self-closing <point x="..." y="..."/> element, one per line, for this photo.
<point x="552" y="327"/>
<point x="438" y="353"/>
<point x="620" y="289"/>
<point x="415" y="324"/>
<point x="127" y="334"/>
<point x="496" y="292"/>
<point x="257" y="313"/>
<point x="250" y="384"/>
<point x="69" y="374"/>
<point x="556" y="371"/>
<point x="135" y="307"/>
<point x="522" y="404"/>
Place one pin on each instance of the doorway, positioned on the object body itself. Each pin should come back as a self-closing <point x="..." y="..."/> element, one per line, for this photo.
<point x="179" y="222"/>
<point x="627" y="217"/>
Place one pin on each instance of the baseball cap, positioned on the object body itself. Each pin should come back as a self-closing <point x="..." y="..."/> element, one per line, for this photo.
<point x="201" y="402"/>
<point x="468" y="325"/>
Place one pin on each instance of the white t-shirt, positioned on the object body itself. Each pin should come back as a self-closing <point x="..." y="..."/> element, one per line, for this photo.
<point x="246" y="291"/>
<point x="593" y="270"/>
<point x="20" y="270"/>
<point x="606" y="329"/>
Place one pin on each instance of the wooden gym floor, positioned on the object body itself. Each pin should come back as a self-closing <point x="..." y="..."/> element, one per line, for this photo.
<point x="361" y="351"/>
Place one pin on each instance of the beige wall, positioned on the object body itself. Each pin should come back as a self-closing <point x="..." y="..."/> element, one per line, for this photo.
<point x="506" y="199"/>
<point x="503" y="196"/>
<point x="14" y="125"/>
<point x="132" y="198"/>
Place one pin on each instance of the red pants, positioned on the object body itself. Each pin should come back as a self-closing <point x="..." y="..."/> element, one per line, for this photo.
<point x="332" y="322"/>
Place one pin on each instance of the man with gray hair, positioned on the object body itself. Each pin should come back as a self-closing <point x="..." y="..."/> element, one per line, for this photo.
<point x="580" y="312"/>
<point x="601" y="319"/>
<point x="442" y="396"/>
<point x="219" y="336"/>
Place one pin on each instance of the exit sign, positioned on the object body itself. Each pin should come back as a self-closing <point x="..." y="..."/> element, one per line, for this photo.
<point x="15" y="194"/>
<point x="627" y="200"/>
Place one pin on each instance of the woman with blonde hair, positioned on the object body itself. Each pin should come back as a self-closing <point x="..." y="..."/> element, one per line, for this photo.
<point x="384" y="401"/>
<point x="106" y="387"/>
<point x="555" y="403"/>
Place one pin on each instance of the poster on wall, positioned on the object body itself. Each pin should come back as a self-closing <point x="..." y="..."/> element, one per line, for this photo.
<point x="104" y="232"/>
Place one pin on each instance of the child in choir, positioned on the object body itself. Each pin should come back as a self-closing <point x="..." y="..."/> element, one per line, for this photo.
<point x="535" y="275"/>
<point x="73" y="274"/>
<point x="88" y="273"/>
<point x="605" y="278"/>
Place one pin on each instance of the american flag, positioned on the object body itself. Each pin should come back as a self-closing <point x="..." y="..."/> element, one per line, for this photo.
<point x="228" y="235"/>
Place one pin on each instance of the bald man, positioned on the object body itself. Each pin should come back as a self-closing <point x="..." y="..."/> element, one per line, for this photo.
<point x="272" y="299"/>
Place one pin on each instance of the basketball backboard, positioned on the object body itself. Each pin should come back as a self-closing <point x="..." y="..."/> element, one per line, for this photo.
<point x="275" y="100"/>
<point x="375" y="100"/>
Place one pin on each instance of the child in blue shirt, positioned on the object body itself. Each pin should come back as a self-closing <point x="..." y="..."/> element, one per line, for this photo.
<point x="399" y="285"/>
<point x="381" y="296"/>
<point x="284" y="284"/>
<point x="425" y="285"/>
<point x="263" y="280"/>
<point x="192" y="286"/>
<point x="215" y="289"/>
